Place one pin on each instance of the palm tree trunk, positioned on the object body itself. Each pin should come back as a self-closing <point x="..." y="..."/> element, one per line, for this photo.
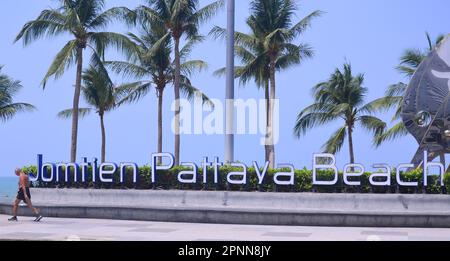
<point x="177" y="101"/>
<point x="102" y="125"/>
<point x="160" y="121"/>
<point x="350" y="144"/>
<point x="272" y="97"/>
<point x="76" y="102"/>
<point x="266" y="96"/>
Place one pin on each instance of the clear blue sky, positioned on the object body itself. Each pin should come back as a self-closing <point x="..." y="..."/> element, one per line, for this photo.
<point x="371" y="34"/>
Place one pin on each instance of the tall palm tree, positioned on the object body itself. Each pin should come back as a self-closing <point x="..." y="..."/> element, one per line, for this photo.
<point x="155" y="68"/>
<point x="102" y="96"/>
<point x="341" y="97"/>
<point x="253" y="52"/>
<point x="274" y="31"/>
<point x="83" y="20"/>
<point x="182" y="19"/>
<point x="409" y="62"/>
<point x="9" y="88"/>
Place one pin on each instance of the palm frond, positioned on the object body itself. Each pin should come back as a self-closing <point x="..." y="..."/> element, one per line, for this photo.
<point x="244" y="54"/>
<point x="430" y="44"/>
<point x="238" y="70"/>
<point x="397" y="89"/>
<point x="50" y="23"/>
<point x="208" y="11"/>
<point x="336" y="141"/>
<point x="190" y="67"/>
<point x="63" y="60"/>
<point x="382" y="104"/>
<point x="157" y="46"/>
<point x="189" y="46"/>
<point x="82" y="112"/>
<point x="410" y="61"/>
<point x="10" y="110"/>
<point x="307" y="120"/>
<point x="190" y="92"/>
<point x="294" y="55"/>
<point x="240" y="38"/>
<point x="145" y="14"/>
<point x="300" y="27"/>
<point x="221" y="72"/>
<point x="98" y="89"/>
<point x="108" y="16"/>
<point x="127" y="69"/>
<point x="102" y="40"/>
<point x="255" y="69"/>
<point x="373" y="124"/>
<point x="133" y="92"/>
<point x="397" y="131"/>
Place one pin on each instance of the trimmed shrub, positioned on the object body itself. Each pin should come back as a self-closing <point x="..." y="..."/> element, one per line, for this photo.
<point x="168" y="180"/>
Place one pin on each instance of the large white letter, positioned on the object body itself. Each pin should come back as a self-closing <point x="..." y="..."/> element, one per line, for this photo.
<point x="104" y="171"/>
<point x="66" y="167"/>
<point x="216" y="165"/>
<point x="53" y="171"/>
<point x="242" y="173"/>
<point x="192" y="173"/>
<point x="399" y="177"/>
<point x="332" y="166"/>
<point x="427" y="165"/>
<point x="290" y="174"/>
<point x="349" y="171"/>
<point x="205" y="165"/>
<point x="262" y="174"/>
<point x="123" y="170"/>
<point x="155" y="165"/>
<point x="386" y="174"/>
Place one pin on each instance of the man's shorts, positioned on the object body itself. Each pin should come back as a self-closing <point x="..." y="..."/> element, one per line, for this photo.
<point x="21" y="196"/>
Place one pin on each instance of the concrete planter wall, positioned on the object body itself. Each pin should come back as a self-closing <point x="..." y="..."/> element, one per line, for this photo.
<point x="387" y="210"/>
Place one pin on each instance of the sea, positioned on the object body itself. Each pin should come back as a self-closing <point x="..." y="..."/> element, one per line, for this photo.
<point x="8" y="188"/>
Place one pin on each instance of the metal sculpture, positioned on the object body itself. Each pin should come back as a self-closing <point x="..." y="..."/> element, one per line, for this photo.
<point x="426" y="106"/>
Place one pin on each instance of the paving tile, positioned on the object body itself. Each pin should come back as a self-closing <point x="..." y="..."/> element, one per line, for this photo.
<point x="210" y="240"/>
<point x="286" y="234"/>
<point x="24" y="235"/>
<point x="128" y="225"/>
<point x="429" y="238"/>
<point x="154" y="230"/>
<point x="384" y="233"/>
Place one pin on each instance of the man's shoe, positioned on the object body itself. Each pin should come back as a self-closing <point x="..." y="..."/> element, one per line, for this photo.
<point x="13" y="219"/>
<point x="38" y="218"/>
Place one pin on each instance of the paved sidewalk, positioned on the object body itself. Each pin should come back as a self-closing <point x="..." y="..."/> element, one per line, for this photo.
<point x="112" y="230"/>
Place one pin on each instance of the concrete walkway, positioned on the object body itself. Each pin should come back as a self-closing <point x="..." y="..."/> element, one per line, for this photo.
<point x="119" y="230"/>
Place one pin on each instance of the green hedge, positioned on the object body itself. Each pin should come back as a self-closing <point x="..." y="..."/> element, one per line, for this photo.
<point x="166" y="180"/>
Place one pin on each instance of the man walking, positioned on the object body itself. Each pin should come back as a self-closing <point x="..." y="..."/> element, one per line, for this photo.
<point x="24" y="195"/>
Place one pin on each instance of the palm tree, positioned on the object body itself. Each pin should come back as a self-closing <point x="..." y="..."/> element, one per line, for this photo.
<point x="9" y="88"/>
<point x="253" y="52"/>
<point x="182" y="19"/>
<point x="273" y="31"/>
<point x="155" y="68"/>
<point x="409" y="62"/>
<point x="341" y="97"/>
<point x="102" y="96"/>
<point x="83" y="19"/>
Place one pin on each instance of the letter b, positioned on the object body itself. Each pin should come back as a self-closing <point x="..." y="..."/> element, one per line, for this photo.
<point x="331" y="165"/>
